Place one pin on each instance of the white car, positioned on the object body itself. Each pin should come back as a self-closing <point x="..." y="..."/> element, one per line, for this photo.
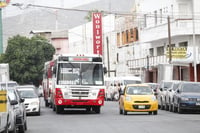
<point x="32" y="101"/>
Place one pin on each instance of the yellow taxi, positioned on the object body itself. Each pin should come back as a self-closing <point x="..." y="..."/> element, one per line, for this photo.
<point x="137" y="98"/>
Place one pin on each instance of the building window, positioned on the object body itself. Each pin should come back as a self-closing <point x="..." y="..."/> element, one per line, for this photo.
<point x="172" y="45"/>
<point x="127" y="37"/>
<point x="160" y="51"/>
<point x="161" y="16"/>
<point x="183" y="44"/>
<point x="145" y="20"/>
<point x="131" y="35"/>
<point x="118" y="39"/>
<point x="117" y="57"/>
<point x="136" y="37"/>
<point x="151" y="52"/>
<point x="172" y="10"/>
<point x="123" y="37"/>
<point x="156" y="17"/>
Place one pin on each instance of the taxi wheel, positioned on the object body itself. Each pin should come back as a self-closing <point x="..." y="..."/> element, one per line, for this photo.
<point x="124" y="112"/>
<point x="155" y="112"/>
<point x="150" y="113"/>
<point x="120" y="111"/>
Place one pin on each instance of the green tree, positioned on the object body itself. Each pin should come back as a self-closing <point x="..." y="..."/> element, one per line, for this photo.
<point x="26" y="58"/>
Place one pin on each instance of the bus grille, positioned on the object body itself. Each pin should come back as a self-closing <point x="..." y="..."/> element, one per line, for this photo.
<point x="80" y="92"/>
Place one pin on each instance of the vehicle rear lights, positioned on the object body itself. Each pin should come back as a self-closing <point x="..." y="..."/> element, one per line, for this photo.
<point x="59" y="93"/>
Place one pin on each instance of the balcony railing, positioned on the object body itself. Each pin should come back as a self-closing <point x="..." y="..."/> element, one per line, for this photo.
<point x="151" y="61"/>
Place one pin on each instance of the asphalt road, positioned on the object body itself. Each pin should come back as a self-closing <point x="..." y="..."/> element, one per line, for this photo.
<point x="109" y="121"/>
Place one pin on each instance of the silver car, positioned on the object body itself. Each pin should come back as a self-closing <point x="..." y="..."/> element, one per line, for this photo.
<point x="19" y="108"/>
<point x="7" y="113"/>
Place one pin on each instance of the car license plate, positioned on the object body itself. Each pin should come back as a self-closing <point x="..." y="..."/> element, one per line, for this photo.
<point x="198" y="104"/>
<point x="141" y="106"/>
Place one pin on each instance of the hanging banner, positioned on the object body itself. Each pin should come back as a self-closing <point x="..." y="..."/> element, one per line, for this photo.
<point x="97" y="33"/>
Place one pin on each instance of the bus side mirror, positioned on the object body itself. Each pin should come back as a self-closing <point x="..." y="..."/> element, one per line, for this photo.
<point x="54" y="70"/>
<point x="105" y="70"/>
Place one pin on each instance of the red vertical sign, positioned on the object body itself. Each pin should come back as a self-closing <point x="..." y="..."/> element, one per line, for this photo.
<point x="97" y="33"/>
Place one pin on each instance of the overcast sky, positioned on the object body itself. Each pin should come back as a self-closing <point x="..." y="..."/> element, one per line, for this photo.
<point x="11" y="11"/>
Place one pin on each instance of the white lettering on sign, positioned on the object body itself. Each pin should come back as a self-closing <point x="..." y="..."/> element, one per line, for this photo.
<point x="97" y="33"/>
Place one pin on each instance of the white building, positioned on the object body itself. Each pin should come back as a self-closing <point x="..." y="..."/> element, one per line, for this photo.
<point x="154" y="38"/>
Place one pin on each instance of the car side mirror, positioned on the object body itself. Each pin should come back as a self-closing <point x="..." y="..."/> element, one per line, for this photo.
<point x="178" y="91"/>
<point x="22" y="100"/>
<point x="161" y="89"/>
<point x="13" y="102"/>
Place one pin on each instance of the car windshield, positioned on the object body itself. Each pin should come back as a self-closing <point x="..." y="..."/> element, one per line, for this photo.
<point x="139" y="90"/>
<point x="188" y="88"/>
<point x="167" y="84"/>
<point x="175" y="86"/>
<point x="131" y="82"/>
<point x="8" y="85"/>
<point x="27" y="93"/>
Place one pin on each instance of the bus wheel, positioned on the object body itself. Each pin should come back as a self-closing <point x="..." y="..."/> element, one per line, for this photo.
<point x="46" y="103"/>
<point x="59" y="109"/>
<point x="97" y="109"/>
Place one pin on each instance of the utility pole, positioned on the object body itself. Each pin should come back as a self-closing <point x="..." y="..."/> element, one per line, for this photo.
<point x="169" y="39"/>
<point x="194" y="44"/>
<point x="108" y="54"/>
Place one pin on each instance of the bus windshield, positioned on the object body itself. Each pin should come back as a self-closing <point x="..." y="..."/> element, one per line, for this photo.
<point x="80" y="74"/>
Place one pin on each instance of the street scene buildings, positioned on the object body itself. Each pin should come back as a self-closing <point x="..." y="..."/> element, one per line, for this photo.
<point x="135" y="43"/>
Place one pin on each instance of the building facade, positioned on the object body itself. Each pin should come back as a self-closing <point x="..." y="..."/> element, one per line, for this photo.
<point x="168" y="23"/>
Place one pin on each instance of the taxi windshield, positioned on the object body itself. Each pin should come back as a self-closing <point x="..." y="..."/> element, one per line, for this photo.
<point x="139" y="90"/>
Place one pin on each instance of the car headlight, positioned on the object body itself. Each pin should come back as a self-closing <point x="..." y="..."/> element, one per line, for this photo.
<point x="34" y="103"/>
<point x="184" y="98"/>
<point x="198" y="99"/>
<point x="128" y="98"/>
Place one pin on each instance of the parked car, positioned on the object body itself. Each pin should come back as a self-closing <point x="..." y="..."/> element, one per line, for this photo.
<point x="12" y="127"/>
<point x="32" y="101"/>
<point x="7" y="112"/>
<point x="161" y="91"/>
<point x="21" y="120"/>
<point x="170" y="94"/>
<point x="187" y="97"/>
<point x="138" y="98"/>
<point x="154" y="87"/>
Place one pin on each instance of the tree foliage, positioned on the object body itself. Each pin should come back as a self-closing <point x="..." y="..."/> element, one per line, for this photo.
<point x="26" y="58"/>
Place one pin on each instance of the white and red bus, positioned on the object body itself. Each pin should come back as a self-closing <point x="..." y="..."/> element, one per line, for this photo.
<point x="47" y="82"/>
<point x="78" y="82"/>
